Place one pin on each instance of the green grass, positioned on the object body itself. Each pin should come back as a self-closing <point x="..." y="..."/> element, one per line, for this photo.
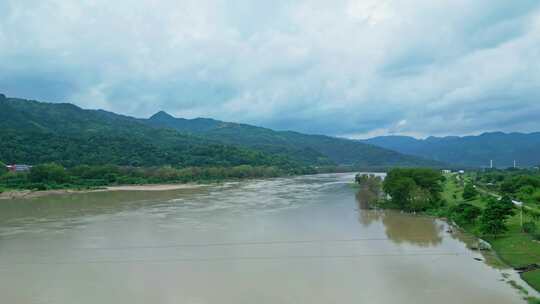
<point x="514" y="248"/>
<point x="451" y="189"/>
<point x="532" y="277"/>
<point x="531" y="300"/>
<point x="453" y="193"/>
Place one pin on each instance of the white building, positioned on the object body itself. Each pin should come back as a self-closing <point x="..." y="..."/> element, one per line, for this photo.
<point x="18" y="168"/>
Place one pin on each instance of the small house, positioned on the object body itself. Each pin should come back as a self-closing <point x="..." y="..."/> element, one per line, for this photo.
<point x="18" y="168"/>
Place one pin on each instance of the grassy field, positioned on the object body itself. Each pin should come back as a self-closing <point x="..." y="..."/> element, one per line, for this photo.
<point x="533" y="277"/>
<point x="515" y="248"/>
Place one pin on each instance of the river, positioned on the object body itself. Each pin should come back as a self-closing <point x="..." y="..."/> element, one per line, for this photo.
<point x="305" y="239"/>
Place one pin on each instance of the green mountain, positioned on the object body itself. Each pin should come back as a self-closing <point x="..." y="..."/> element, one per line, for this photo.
<point x="303" y="148"/>
<point x="35" y="132"/>
<point x="476" y="151"/>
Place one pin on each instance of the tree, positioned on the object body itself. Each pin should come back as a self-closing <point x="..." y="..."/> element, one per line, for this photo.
<point x="3" y="168"/>
<point x="465" y="213"/>
<point x="48" y="173"/>
<point x="370" y="182"/>
<point x="493" y="219"/>
<point x="530" y="227"/>
<point x="421" y="199"/>
<point x="469" y="192"/>
<point x="507" y="205"/>
<point x="413" y="189"/>
<point x="400" y="189"/>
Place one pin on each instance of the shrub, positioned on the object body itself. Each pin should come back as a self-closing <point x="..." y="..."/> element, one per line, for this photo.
<point x="469" y="192"/>
<point x="413" y="189"/>
<point x="3" y="168"/>
<point x="38" y="186"/>
<point x="493" y="218"/>
<point x="15" y="180"/>
<point x="48" y="173"/>
<point x="465" y="213"/>
<point x="530" y="227"/>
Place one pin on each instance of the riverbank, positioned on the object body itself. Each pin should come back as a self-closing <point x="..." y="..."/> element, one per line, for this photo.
<point x="515" y="248"/>
<point x="428" y="193"/>
<point x="27" y="194"/>
<point x="48" y="179"/>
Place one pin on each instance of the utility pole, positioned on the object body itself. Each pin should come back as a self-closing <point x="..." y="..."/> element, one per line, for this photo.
<point x="521" y="217"/>
<point x="515" y="164"/>
<point x="491" y="164"/>
<point x="520" y="204"/>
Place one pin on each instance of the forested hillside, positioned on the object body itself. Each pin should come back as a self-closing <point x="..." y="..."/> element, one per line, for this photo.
<point x="307" y="149"/>
<point x="34" y="132"/>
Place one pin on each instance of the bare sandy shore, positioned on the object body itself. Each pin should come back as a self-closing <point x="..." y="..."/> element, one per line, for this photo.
<point x="18" y="194"/>
<point x="21" y="194"/>
<point x="157" y="187"/>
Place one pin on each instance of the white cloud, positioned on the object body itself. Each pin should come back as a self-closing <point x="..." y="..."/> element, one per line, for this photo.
<point x="340" y="67"/>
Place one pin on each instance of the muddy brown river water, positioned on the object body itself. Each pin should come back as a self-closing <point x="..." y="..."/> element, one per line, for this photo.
<point x="305" y="239"/>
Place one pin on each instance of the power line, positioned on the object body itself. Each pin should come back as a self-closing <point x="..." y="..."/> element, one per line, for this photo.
<point x="248" y="258"/>
<point x="238" y="258"/>
<point x="246" y="243"/>
<point x="411" y="239"/>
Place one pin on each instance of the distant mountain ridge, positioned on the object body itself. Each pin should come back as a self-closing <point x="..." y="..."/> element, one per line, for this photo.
<point x="304" y="148"/>
<point x="36" y="132"/>
<point x="478" y="151"/>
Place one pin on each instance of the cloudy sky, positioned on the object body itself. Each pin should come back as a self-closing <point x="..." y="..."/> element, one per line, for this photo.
<point x="352" y="68"/>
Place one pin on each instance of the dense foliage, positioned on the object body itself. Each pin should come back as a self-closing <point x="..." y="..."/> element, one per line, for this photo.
<point x="420" y="190"/>
<point x="494" y="216"/>
<point x="522" y="185"/>
<point x="414" y="189"/>
<point x="34" y="133"/>
<point x="370" y="182"/>
<point x="3" y="168"/>
<point x="464" y="213"/>
<point x="54" y="176"/>
<point x="469" y="192"/>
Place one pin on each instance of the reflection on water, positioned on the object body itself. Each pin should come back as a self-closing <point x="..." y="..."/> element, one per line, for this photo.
<point x="306" y="239"/>
<point x="365" y="198"/>
<point x="424" y="232"/>
<point x="399" y="227"/>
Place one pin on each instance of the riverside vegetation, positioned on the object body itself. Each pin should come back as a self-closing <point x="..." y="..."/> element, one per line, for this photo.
<point x="480" y="203"/>
<point x="54" y="176"/>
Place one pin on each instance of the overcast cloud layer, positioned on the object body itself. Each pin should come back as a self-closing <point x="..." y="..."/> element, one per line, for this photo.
<point x="346" y="68"/>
